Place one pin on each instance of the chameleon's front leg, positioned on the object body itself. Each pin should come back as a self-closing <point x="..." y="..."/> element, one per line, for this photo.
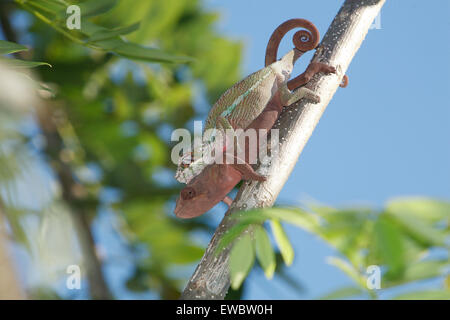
<point x="311" y="70"/>
<point x="289" y="97"/>
<point x="245" y="169"/>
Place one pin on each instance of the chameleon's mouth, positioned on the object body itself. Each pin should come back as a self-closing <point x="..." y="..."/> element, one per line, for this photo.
<point x="177" y="209"/>
<point x="206" y="190"/>
<point x="186" y="209"/>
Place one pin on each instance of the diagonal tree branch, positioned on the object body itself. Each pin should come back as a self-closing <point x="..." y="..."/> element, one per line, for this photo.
<point x="341" y="42"/>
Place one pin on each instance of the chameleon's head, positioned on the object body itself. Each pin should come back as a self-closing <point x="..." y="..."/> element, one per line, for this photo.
<point x="283" y="67"/>
<point x="206" y="190"/>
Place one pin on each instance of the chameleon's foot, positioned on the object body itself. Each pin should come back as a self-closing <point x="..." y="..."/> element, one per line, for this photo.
<point x="303" y="92"/>
<point x="311" y="70"/>
<point x="314" y="98"/>
<point x="326" y="68"/>
<point x="344" y="82"/>
<point x="330" y="69"/>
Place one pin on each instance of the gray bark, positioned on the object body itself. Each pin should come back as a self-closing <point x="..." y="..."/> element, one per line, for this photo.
<point x="296" y="123"/>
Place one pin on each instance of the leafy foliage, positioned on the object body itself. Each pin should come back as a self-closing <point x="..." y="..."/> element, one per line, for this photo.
<point x="398" y="239"/>
<point x="242" y="257"/>
<point x="54" y="13"/>
<point x="112" y="116"/>
<point x="7" y="47"/>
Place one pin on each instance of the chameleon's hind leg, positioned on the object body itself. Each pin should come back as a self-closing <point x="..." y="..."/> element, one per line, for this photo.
<point x="289" y="97"/>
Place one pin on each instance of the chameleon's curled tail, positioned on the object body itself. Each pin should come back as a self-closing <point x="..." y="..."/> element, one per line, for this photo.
<point x="304" y="40"/>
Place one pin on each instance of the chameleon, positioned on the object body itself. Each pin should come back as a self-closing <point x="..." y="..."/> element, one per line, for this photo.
<point x="213" y="182"/>
<point x="245" y="100"/>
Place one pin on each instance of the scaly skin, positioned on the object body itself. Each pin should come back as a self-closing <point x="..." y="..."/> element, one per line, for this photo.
<point x="241" y="104"/>
<point x="244" y="101"/>
<point x="211" y="183"/>
<point x="215" y="181"/>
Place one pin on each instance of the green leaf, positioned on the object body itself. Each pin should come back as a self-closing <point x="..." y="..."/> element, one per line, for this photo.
<point x="16" y="63"/>
<point x="104" y="35"/>
<point x="342" y="293"/>
<point x="389" y="244"/>
<point x="425" y="269"/>
<point x="348" y="269"/>
<point x="264" y="251"/>
<point x="419" y="230"/>
<point x="89" y="29"/>
<point x="92" y="8"/>
<point x="287" y="252"/>
<point x="242" y="257"/>
<point x="185" y="254"/>
<point x="7" y="47"/>
<point x="293" y="216"/>
<point x="253" y="216"/>
<point x="49" y="6"/>
<point x="135" y="51"/>
<point x="14" y="216"/>
<point x="230" y="236"/>
<point x="96" y="7"/>
<point x="425" y="295"/>
<point x="420" y="271"/>
<point x="423" y="208"/>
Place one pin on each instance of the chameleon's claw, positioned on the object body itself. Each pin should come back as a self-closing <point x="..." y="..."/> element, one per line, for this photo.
<point x="328" y="69"/>
<point x="315" y="99"/>
<point x="344" y="82"/>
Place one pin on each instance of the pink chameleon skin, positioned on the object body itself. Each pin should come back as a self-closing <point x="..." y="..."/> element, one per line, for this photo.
<point x="207" y="189"/>
<point x="213" y="184"/>
<point x="215" y="181"/>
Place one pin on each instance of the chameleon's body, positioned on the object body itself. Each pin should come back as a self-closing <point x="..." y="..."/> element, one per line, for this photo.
<point x="253" y="103"/>
<point x="215" y="181"/>
<point x="241" y="104"/>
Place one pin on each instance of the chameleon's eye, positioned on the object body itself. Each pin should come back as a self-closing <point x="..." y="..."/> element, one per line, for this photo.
<point x="188" y="193"/>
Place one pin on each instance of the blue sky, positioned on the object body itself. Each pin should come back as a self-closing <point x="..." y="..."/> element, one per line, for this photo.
<point x="385" y="135"/>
